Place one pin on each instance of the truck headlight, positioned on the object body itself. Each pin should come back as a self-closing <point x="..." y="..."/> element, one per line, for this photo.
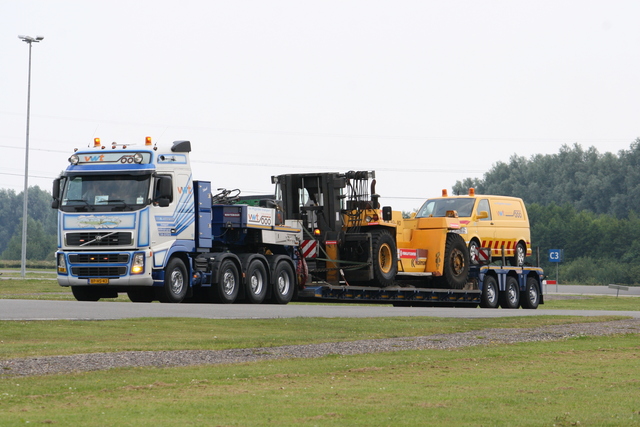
<point x="62" y="264"/>
<point x="137" y="266"/>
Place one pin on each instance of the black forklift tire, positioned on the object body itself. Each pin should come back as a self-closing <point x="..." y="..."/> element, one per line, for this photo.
<point x="384" y="258"/>
<point x="456" y="262"/>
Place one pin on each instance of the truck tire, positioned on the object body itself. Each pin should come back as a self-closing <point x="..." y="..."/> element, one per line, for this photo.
<point x="510" y="298"/>
<point x="384" y="258"/>
<point x="490" y="292"/>
<point x="228" y="284"/>
<point x="283" y="283"/>
<point x="456" y="262"/>
<point x="256" y="282"/>
<point x="531" y="297"/>
<point x="176" y="282"/>
<point x="86" y="293"/>
<point x="519" y="255"/>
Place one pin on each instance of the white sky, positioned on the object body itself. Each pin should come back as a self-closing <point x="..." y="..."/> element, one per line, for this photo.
<point x="423" y="92"/>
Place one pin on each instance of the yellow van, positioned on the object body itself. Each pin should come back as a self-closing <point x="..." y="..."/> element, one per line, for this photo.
<point x="494" y="222"/>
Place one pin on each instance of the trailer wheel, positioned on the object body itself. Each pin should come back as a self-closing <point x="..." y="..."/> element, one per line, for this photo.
<point x="256" y="282"/>
<point x="519" y="255"/>
<point x="226" y="290"/>
<point x="510" y="298"/>
<point x="489" y="298"/>
<point x="456" y="262"/>
<point x="531" y="297"/>
<point x="284" y="281"/>
<point x="86" y="293"/>
<point x="384" y="257"/>
<point x="175" y="282"/>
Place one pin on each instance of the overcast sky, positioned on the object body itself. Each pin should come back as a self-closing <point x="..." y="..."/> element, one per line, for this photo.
<point x="424" y="92"/>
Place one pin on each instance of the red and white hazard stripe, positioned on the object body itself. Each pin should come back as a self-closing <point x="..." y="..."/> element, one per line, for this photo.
<point x="309" y="248"/>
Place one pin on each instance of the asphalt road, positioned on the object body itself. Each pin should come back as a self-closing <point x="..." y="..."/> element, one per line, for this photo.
<point x="11" y="309"/>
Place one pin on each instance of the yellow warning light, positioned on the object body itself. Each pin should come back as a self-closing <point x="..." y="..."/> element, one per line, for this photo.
<point x="316" y="231"/>
<point x="147" y="140"/>
<point x="472" y="192"/>
<point x="444" y="192"/>
<point x="96" y="142"/>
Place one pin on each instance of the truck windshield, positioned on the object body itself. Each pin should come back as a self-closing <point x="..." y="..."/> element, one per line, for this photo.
<point x="105" y="193"/>
<point x="439" y="207"/>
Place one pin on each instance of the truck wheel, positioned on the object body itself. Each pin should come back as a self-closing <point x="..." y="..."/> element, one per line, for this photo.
<point x="519" y="255"/>
<point x="226" y="290"/>
<point x="175" y="282"/>
<point x="456" y="262"/>
<point x="531" y="297"/>
<point x="86" y="293"/>
<point x="284" y="282"/>
<point x="489" y="298"/>
<point x="510" y="298"/>
<point x="256" y="282"/>
<point x="141" y="295"/>
<point x="384" y="257"/>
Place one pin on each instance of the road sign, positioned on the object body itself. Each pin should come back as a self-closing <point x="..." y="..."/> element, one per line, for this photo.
<point x="555" y="255"/>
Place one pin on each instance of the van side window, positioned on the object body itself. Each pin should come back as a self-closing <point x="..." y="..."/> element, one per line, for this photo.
<point x="483" y="205"/>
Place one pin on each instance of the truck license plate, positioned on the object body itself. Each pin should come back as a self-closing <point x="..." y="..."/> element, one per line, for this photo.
<point x="98" y="281"/>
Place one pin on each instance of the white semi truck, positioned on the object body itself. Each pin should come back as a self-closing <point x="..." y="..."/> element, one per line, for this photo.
<point x="132" y="219"/>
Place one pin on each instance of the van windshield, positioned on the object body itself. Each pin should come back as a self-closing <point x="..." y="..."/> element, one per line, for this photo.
<point x="439" y="207"/>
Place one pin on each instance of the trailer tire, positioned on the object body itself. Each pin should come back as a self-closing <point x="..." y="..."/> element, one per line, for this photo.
<point x="384" y="258"/>
<point x="490" y="292"/>
<point x="256" y="282"/>
<point x="510" y="298"/>
<point x="228" y="284"/>
<point x="283" y="283"/>
<point x="456" y="262"/>
<point x="86" y="293"/>
<point x="531" y="297"/>
<point x="176" y="283"/>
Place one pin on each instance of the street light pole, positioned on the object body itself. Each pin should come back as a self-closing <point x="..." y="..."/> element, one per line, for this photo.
<point x="23" y="260"/>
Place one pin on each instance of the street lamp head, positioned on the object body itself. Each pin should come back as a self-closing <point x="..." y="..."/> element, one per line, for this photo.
<point x="29" y="39"/>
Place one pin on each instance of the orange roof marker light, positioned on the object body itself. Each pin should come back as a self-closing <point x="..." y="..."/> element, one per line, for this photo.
<point x="96" y="142"/>
<point x="472" y="192"/>
<point x="444" y="192"/>
<point x="147" y="141"/>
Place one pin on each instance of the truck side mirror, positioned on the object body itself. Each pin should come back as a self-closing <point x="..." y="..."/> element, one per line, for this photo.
<point x="55" y="193"/>
<point x="386" y="213"/>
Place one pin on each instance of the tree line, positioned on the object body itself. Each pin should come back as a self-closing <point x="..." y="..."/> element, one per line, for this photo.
<point x="581" y="201"/>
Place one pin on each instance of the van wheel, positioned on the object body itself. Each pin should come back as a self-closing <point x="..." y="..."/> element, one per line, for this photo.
<point x="519" y="255"/>
<point x="456" y="262"/>
<point x="474" y="251"/>
<point x="531" y="297"/>
<point x="510" y="298"/>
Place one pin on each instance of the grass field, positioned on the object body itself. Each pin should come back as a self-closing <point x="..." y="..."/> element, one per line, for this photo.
<point x="582" y="381"/>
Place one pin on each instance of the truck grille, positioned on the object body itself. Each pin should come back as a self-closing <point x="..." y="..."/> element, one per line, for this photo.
<point x="99" y="239"/>
<point x="85" y="272"/>
<point x="98" y="258"/>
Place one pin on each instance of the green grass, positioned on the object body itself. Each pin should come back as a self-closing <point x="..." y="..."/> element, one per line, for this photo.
<point x="63" y="337"/>
<point x="583" y="381"/>
<point x="588" y="302"/>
